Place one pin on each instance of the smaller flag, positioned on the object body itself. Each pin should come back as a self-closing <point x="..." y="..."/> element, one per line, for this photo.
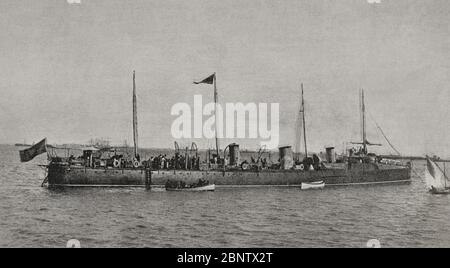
<point x="208" y="80"/>
<point x="35" y="150"/>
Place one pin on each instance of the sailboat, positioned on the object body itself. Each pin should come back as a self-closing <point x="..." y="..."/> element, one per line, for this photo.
<point x="436" y="180"/>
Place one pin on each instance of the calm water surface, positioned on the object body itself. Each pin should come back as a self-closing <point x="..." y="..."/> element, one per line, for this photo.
<point x="398" y="216"/>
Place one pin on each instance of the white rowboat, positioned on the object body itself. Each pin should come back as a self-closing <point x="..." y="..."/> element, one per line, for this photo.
<point x="312" y="185"/>
<point x="206" y="188"/>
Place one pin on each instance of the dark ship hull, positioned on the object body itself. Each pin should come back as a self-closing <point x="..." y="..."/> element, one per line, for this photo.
<point x="64" y="175"/>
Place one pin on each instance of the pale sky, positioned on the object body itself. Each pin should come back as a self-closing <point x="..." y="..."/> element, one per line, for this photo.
<point x="66" y="69"/>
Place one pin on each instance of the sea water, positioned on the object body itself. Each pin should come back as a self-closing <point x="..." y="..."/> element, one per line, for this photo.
<point x="345" y="216"/>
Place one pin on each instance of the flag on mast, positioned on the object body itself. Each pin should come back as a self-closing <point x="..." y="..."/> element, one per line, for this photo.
<point x="209" y="80"/>
<point x="35" y="150"/>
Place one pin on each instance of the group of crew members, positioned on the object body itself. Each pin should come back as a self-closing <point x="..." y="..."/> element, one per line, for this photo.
<point x="162" y="162"/>
<point x="192" y="162"/>
<point x="181" y="162"/>
<point x="310" y="163"/>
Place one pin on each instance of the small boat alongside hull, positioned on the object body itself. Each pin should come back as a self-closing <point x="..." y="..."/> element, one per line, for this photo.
<point x="206" y="188"/>
<point x="317" y="185"/>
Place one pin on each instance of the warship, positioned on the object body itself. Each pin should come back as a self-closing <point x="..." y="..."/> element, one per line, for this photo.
<point x="107" y="167"/>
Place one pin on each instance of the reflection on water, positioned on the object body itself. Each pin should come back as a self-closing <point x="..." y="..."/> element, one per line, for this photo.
<point x="398" y="216"/>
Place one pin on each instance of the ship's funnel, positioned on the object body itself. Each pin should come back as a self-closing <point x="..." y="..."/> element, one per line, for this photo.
<point x="286" y="160"/>
<point x="330" y="155"/>
<point x="234" y="154"/>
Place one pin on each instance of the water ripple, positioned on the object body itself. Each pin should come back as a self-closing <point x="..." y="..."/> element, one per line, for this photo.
<point x="399" y="216"/>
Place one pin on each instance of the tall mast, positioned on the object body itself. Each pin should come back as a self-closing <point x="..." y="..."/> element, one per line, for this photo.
<point x="363" y="110"/>
<point x="304" y="124"/>
<point x="298" y="131"/>
<point x="216" y="100"/>
<point x="360" y="115"/>
<point x="135" y="124"/>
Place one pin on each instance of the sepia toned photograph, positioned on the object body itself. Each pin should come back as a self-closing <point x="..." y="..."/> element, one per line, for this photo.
<point x="224" y="124"/>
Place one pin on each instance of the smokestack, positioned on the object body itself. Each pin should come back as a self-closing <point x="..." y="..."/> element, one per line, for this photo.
<point x="330" y="155"/>
<point x="286" y="159"/>
<point x="234" y="154"/>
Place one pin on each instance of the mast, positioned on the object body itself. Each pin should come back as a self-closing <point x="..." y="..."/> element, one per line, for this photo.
<point x="360" y="115"/>
<point x="298" y="131"/>
<point x="216" y="100"/>
<point x="135" y="125"/>
<point x="304" y="124"/>
<point x="363" y="110"/>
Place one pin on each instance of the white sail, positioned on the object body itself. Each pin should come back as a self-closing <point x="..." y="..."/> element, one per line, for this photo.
<point x="434" y="177"/>
<point x="429" y="180"/>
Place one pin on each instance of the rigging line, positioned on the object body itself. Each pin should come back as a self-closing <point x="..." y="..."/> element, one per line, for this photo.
<point x="414" y="170"/>
<point x="384" y="135"/>
<point x="416" y="173"/>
